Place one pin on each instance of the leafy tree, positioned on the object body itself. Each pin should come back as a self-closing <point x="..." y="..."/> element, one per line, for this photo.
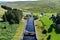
<point x="12" y="16"/>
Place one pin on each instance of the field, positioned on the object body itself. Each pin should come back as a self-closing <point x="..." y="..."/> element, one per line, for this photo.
<point x="10" y="31"/>
<point x="47" y="22"/>
<point x="7" y="31"/>
<point x="19" y="32"/>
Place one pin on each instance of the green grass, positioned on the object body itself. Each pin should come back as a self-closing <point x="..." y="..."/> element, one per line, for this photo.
<point x="9" y="32"/>
<point x="47" y="22"/>
<point x="12" y="32"/>
<point x="19" y="32"/>
<point x="39" y="30"/>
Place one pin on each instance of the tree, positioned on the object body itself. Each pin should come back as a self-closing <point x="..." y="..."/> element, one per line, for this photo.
<point x="12" y="16"/>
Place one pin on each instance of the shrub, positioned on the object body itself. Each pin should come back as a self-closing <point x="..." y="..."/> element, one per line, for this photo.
<point x="13" y="16"/>
<point x="35" y="17"/>
<point x="27" y="17"/>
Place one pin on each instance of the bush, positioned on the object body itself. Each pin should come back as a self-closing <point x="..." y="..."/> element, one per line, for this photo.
<point x="44" y="31"/>
<point x="7" y="31"/>
<point x="35" y="17"/>
<point x="13" y="16"/>
<point x="49" y="37"/>
<point x="27" y="17"/>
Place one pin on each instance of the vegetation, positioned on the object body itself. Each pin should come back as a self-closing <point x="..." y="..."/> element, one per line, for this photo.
<point x="51" y="6"/>
<point x="56" y="24"/>
<point x="8" y="32"/>
<point x="27" y="17"/>
<point x="12" y="15"/>
<point x="19" y="31"/>
<point x="39" y="28"/>
<point x="43" y="24"/>
<point x="35" y="17"/>
<point x="47" y="22"/>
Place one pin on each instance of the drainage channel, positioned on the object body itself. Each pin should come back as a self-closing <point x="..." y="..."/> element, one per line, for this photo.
<point x="29" y="32"/>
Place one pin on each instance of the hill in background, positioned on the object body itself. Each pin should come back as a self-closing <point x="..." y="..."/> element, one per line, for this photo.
<point x="41" y="5"/>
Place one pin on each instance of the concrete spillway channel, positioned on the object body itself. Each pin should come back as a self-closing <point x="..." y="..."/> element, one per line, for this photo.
<point x="29" y="32"/>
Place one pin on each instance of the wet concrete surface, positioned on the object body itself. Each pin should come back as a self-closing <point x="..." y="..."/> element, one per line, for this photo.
<point x="29" y="37"/>
<point x="31" y="30"/>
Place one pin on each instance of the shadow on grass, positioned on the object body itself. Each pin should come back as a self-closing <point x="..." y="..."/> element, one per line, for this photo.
<point x="49" y="37"/>
<point x="50" y="29"/>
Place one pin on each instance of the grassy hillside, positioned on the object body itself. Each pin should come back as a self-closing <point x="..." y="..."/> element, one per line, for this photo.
<point x="40" y="27"/>
<point x="36" y="6"/>
<point x="40" y="6"/>
<point x="1" y="11"/>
